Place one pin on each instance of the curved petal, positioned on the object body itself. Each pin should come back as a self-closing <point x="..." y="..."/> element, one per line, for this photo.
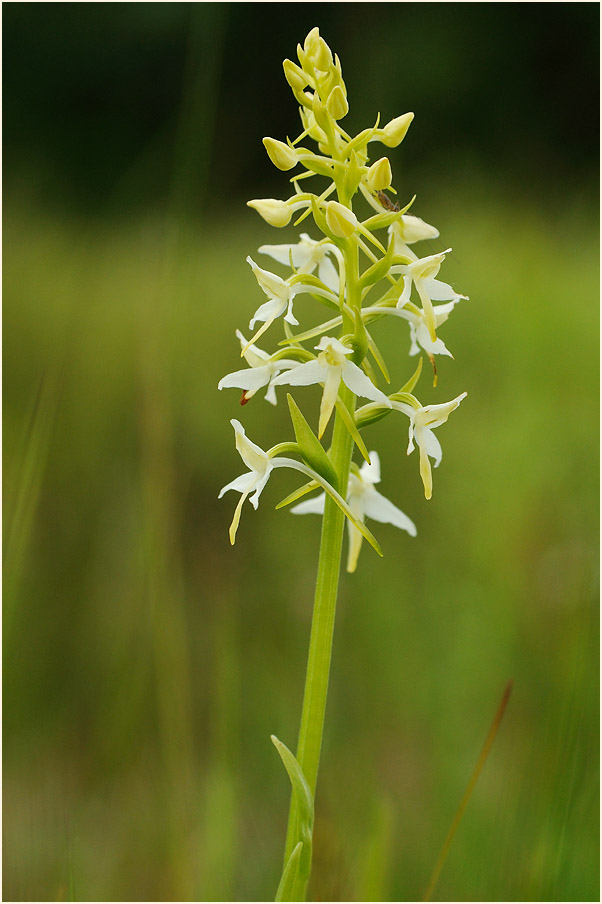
<point x="432" y="445"/>
<point x="379" y="508"/>
<point x="361" y="385"/>
<point x="328" y="274"/>
<point x="242" y="484"/>
<point x="370" y="473"/>
<point x="440" y="291"/>
<point x="302" y="375"/>
<point x="313" y="506"/>
<point x="249" y="378"/>
<point x="269" y="310"/>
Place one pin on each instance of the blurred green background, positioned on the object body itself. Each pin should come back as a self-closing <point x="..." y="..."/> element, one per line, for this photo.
<point x="146" y="662"/>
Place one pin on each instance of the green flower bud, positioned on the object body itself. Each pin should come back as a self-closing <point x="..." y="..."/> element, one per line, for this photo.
<point x="274" y="212"/>
<point x="337" y="104"/>
<point x="379" y="175"/>
<point x="341" y="221"/>
<point x="294" y="75"/>
<point x="282" y="156"/>
<point x="395" y="131"/>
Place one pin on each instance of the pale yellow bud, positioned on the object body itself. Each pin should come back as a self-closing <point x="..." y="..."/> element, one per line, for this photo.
<point x="294" y="75"/>
<point x="274" y="212"/>
<point x="395" y="131"/>
<point x="379" y="176"/>
<point x="311" y="43"/>
<point x="337" y="104"/>
<point x="323" y="56"/>
<point x="340" y="220"/>
<point x="282" y="156"/>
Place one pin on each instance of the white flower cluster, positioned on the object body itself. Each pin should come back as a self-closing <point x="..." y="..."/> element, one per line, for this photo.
<point x="392" y="281"/>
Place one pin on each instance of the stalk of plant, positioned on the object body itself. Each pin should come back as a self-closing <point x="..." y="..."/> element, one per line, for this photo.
<point x="361" y="280"/>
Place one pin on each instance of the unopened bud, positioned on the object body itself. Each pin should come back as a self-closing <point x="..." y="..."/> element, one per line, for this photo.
<point x="340" y="220"/>
<point x="379" y="175"/>
<point x="394" y="132"/>
<point x="337" y="104"/>
<point x="294" y="75"/>
<point x="274" y="212"/>
<point x="323" y="56"/>
<point x="311" y="43"/>
<point x="282" y="156"/>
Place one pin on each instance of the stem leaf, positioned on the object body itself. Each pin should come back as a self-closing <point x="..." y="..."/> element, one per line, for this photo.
<point x="310" y="446"/>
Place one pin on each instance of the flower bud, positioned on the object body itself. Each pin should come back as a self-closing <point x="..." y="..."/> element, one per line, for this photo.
<point x="294" y="75"/>
<point x="282" y="156"/>
<point x="323" y="56"/>
<point x="320" y="115"/>
<point x="340" y="220"/>
<point x="337" y="104"/>
<point x="311" y="43"/>
<point x="379" y="175"/>
<point x="276" y="213"/>
<point x="394" y="132"/>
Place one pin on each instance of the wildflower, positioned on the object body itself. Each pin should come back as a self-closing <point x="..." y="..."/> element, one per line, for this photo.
<point x="409" y="229"/>
<point x="422" y="273"/>
<point x="423" y="420"/>
<point x="305" y="256"/>
<point x="261" y="371"/>
<point x="330" y="367"/>
<point x="365" y="502"/>
<point x="281" y="294"/>
<point x="419" y="333"/>
<point x="260" y="467"/>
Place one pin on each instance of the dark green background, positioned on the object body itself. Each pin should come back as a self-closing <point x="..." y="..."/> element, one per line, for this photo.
<point x="146" y="662"/>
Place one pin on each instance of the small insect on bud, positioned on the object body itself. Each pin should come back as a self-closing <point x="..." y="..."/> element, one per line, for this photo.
<point x="386" y="201"/>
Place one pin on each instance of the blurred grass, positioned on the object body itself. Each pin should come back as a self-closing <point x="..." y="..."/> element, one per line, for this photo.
<point x="147" y="663"/>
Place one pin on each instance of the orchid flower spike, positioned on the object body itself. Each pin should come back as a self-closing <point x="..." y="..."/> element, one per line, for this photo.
<point x="261" y="371"/>
<point x="423" y="420"/>
<point x="365" y="502"/>
<point x="331" y="366"/>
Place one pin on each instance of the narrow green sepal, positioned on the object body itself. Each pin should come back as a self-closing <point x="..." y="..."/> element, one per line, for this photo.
<point x="310" y="447"/>
<point x="359" y="340"/>
<point x="353" y="175"/>
<point x="311" y="334"/>
<point x="287" y="887"/>
<point x="297" y="494"/>
<point x="380" y="269"/>
<point x="378" y="357"/>
<point x="320" y="220"/>
<point x="409" y="386"/>
<point x="349" y="422"/>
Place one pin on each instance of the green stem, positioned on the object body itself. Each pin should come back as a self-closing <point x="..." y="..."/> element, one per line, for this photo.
<point x="329" y="566"/>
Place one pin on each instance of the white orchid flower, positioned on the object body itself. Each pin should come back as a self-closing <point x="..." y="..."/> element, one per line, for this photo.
<point x="419" y="334"/>
<point x="423" y="421"/>
<point x="330" y="367"/>
<point x="408" y="229"/>
<point x="281" y="294"/>
<point x="365" y="502"/>
<point x="305" y="256"/>
<point x="260" y="466"/>
<point x="261" y="371"/>
<point x="422" y="273"/>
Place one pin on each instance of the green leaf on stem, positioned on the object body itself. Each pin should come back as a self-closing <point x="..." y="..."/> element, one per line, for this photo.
<point x="310" y="446"/>
<point x="296" y="872"/>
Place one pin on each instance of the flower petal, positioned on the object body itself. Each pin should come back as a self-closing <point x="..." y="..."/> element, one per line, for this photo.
<point x="379" y="508"/>
<point x="314" y="506"/>
<point x="302" y="375"/>
<point x="361" y="385"/>
<point x="248" y="378"/>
